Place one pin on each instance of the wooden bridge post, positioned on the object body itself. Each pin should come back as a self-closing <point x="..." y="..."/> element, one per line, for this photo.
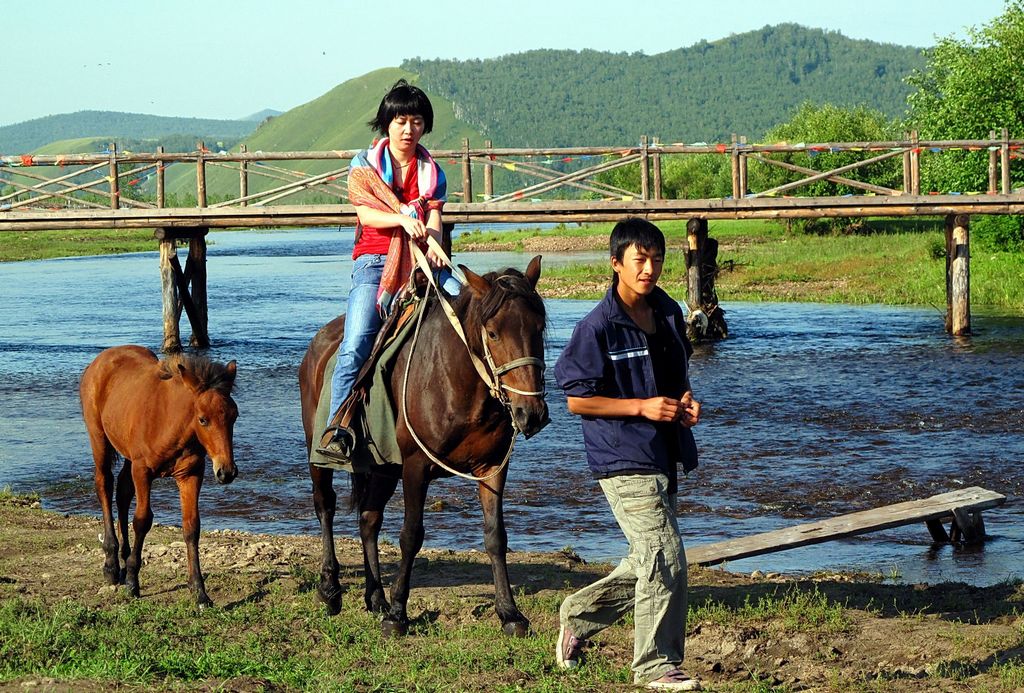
<point x="160" y="166"/>
<point x="169" y="291"/>
<point x="1004" y="161"/>
<point x="195" y="274"/>
<point x="734" y="157"/>
<point x="915" y="164"/>
<point x="488" y="173"/>
<point x="656" y="165"/>
<point x="200" y="175"/>
<point x="467" y="173"/>
<point x="993" y="166"/>
<point x="742" y="160"/>
<point x="906" y="168"/>
<point x="183" y="289"/>
<point x="115" y="183"/>
<point x="645" y="170"/>
<point x="696" y="236"/>
<point x="243" y="177"/>
<point x="958" y="275"/>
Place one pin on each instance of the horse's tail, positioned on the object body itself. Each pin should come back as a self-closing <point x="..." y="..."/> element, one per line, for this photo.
<point x="359" y="488"/>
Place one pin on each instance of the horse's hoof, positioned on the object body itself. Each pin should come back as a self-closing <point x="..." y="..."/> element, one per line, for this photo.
<point x="331" y="597"/>
<point x="378" y="606"/>
<point x="132" y="590"/>
<point x="204" y="602"/>
<point x="516" y="629"/>
<point x="393" y="629"/>
<point x="113" y="576"/>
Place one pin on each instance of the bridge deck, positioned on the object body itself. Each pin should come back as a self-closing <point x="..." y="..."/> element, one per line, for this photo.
<point x="531" y="212"/>
<point x="930" y="510"/>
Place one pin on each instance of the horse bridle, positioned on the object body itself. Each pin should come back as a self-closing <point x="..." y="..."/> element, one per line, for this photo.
<point x="489" y="373"/>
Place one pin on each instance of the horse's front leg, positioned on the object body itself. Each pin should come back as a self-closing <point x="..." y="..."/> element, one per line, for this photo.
<point x="142" y="522"/>
<point x="414" y="483"/>
<point x="372" y="493"/>
<point x="325" y="503"/>
<point x="188" y="491"/>
<point x="496" y="542"/>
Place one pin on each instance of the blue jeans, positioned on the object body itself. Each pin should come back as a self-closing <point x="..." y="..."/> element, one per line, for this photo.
<point x="362" y="323"/>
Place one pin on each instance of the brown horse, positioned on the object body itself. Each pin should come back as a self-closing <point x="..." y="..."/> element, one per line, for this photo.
<point x="163" y="418"/>
<point x="461" y="422"/>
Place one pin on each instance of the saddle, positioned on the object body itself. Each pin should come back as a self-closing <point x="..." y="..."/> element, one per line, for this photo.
<point x="349" y="441"/>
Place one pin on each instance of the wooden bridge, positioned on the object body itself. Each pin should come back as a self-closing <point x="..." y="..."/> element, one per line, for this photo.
<point x="120" y="189"/>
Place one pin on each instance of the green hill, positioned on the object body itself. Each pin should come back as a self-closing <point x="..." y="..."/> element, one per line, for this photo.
<point x="742" y="84"/>
<point x="30" y="135"/>
<point x="335" y="121"/>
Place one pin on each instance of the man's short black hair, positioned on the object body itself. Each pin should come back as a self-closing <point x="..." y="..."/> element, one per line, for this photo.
<point x="403" y="99"/>
<point x="635" y="231"/>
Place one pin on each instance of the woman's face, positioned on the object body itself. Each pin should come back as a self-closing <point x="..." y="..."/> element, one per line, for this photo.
<point x="405" y="131"/>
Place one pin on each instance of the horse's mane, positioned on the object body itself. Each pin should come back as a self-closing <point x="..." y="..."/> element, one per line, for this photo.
<point x="210" y="374"/>
<point x="506" y="285"/>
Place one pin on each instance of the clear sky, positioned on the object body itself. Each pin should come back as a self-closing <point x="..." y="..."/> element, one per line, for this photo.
<point x="229" y="58"/>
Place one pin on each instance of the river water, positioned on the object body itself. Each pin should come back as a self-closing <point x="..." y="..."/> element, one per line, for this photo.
<point x="810" y="411"/>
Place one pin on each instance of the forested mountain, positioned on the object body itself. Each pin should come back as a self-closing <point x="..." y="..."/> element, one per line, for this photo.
<point x="742" y="84"/>
<point x="21" y="138"/>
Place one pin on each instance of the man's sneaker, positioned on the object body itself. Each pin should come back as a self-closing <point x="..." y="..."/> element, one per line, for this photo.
<point x="675" y="680"/>
<point x="568" y="649"/>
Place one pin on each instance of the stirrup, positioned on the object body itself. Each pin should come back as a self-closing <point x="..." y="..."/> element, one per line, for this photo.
<point x="337" y="443"/>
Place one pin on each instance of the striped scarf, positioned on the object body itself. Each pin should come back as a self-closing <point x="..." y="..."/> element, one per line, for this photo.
<point x="370" y="180"/>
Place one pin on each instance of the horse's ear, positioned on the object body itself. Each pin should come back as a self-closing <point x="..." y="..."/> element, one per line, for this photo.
<point x="231" y="369"/>
<point x="533" y="271"/>
<point x="478" y="284"/>
<point x="188" y="378"/>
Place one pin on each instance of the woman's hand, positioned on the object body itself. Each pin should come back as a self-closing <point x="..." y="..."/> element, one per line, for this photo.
<point x="414" y="227"/>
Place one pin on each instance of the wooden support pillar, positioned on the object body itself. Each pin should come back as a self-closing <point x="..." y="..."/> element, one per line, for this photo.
<point x="701" y="271"/>
<point x="915" y="164"/>
<point x="734" y="157"/>
<point x="967" y="527"/>
<point x="243" y="178"/>
<point x="742" y="161"/>
<point x="1004" y="161"/>
<point x="115" y="182"/>
<point x="656" y="165"/>
<point x="958" y="275"/>
<point x="467" y="173"/>
<point x="488" y="173"/>
<point x="183" y="289"/>
<point x="696" y="235"/>
<point x="195" y="273"/>
<point x="993" y="166"/>
<point x="906" y="173"/>
<point x="200" y="175"/>
<point x="160" y="166"/>
<point x="169" y="290"/>
<point x="645" y="170"/>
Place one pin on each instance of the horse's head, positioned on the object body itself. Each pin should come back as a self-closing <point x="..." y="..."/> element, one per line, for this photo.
<point x="506" y="320"/>
<point x="214" y="412"/>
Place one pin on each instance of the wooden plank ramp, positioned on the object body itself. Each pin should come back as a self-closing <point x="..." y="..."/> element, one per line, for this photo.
<point x="962" y="507"/>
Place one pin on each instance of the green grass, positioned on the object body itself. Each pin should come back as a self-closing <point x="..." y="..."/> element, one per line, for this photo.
<point x="43" y="245"/>
<point x="763" y="261"/>
<point x="279" y="641"/>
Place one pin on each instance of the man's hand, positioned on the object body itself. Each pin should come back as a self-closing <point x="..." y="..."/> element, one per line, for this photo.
<point x="690" y="415"/>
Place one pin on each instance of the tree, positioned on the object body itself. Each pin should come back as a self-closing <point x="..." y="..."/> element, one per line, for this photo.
<point x="823" y="124"/>
<point x="967" y="89"/>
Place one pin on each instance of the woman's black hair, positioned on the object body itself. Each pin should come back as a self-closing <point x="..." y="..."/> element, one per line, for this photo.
<point x="635" y="231"/>
<point x="403" y="99"/>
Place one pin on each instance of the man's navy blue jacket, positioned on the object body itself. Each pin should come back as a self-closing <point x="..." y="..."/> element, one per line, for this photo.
<point x="607" y="356"/>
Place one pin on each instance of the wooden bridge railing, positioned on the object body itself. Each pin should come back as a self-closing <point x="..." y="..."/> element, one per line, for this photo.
<point x="531" y="174"/>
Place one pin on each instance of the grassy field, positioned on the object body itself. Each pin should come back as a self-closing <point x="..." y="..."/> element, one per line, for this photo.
<point x="43" y="245"/>
<point x="62" y="629"/>
<point x="901" y="263"/>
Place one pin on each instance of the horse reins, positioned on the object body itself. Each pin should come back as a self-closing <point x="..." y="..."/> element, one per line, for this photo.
<point x="491" y="378"/>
